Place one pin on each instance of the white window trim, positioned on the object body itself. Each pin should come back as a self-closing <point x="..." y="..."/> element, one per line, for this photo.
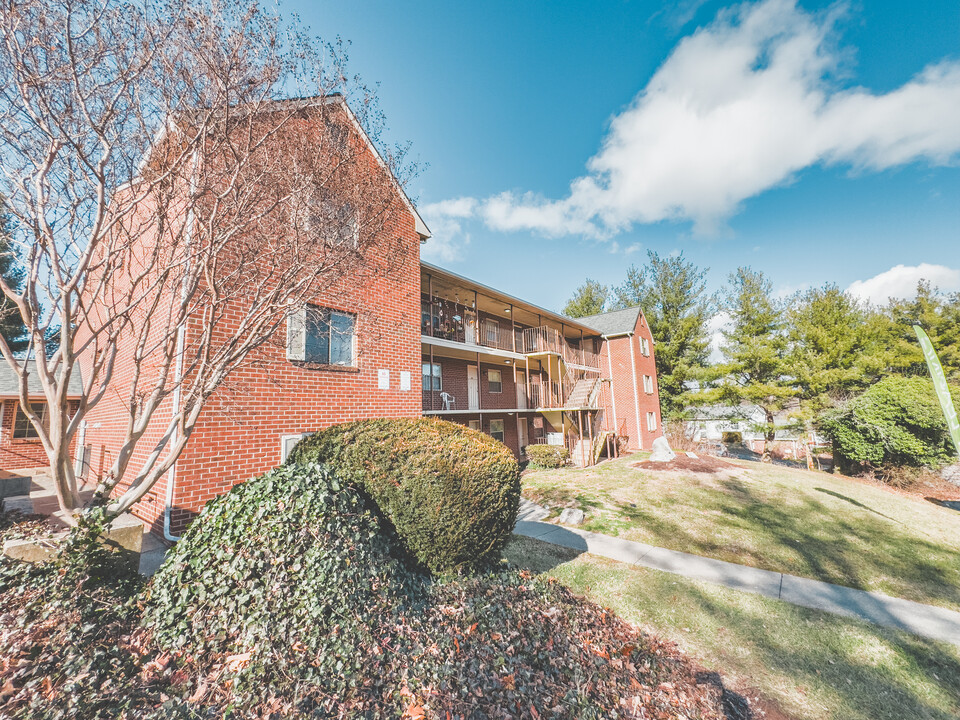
<point x="438" y="376"/>
<point x="503" y="429"/>
<point x="297" y="334"/>
<point x="651" y="421"/>
<point x="490" y="382"/>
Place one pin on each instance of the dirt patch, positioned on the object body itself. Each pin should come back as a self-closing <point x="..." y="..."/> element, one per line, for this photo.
<point x="706" y="464"/>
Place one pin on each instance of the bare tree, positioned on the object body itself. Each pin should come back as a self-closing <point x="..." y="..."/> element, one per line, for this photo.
<point x="171" y="210"/>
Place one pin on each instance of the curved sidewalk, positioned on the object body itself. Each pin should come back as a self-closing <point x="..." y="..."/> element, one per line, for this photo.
<point x="926" y="620"/>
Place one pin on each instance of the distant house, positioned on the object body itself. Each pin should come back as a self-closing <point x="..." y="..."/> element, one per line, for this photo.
<point x="707" y="424"/>
<point x="20" y="447"/>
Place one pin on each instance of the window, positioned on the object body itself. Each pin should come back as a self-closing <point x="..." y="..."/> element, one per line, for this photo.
<point x="23" y="429"/>
<point x="321" y="335"/>
<point x="651" y="421"/>
<point x="496" y="429"/>
<point x="494" y="381"/>
<point x="645" y="347"/>
<point x="431" y="377"/>
<point x="474" y="425"/>
<point x="648" y="384"/>
<point x="491" y="332"/>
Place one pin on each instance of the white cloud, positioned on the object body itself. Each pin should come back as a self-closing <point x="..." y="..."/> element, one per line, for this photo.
<point x="739" y="107"/>
<point x="718" y="323"/>
<point x="901" y="281"/>
<point x="448" y="236"/>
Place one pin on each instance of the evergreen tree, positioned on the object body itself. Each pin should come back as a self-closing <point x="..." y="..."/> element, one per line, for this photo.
<point x="755" y="368"/>
<point x="11" y="268"/>
<point x="672" y="293"/>
<point x="937" y="314"/>
<point x="831" y="352"/>
<point x="589" y="299"/>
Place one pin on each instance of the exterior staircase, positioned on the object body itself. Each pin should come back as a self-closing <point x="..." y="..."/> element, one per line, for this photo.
<point x="583" y="394"/>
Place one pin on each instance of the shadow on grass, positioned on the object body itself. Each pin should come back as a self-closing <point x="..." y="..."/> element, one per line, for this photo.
<point x="853" y="670"/>
<point x="856" y="503"/>
<point x="848" y="671"/>
<point x="737" y="521"/>
<point x="949" y="504"/>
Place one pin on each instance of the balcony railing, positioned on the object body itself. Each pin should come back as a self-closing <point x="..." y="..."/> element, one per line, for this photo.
<point x="452" y="321"/>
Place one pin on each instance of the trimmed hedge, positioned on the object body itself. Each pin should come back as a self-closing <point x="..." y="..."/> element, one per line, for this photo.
<point x="451" y="494"/>
<point x="292" y="559"/>
<point x="897" y="422"/>
<point x="548" y="456"/>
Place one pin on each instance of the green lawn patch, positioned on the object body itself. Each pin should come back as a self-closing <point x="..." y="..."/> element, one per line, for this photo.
<point x="813" y="665"/>
<point x="814" y="525"/>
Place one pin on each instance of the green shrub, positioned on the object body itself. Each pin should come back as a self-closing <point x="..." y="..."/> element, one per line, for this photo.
<point x="451" y="494"/>
<point x="290" y="567"/>
<point x="897" y="422"/>
<point x="732" y="438"/>
<point x="548" y="456"/>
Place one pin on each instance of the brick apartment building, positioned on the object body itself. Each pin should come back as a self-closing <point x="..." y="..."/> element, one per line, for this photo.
<point x="528" y="375"/>
<point x="417" y="340"/>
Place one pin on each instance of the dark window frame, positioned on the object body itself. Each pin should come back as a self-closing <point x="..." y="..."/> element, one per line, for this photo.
<point x="23" y="429"/>
<point x="320" y="350"/>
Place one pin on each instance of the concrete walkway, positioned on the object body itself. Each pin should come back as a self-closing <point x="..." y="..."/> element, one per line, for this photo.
<point x="926" y="620"/>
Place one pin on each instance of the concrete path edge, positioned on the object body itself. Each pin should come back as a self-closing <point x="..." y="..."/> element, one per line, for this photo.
<point x="925" y="620"/>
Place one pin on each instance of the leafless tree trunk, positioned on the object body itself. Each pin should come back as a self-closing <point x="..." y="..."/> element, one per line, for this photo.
<point x="171" y="211"/>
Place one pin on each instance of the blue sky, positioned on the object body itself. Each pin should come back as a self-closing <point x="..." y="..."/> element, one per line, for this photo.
<point x="818" y="142"/>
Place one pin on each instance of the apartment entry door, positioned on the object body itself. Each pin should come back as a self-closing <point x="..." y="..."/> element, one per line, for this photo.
<point x="522" y="432"/>
<point x="473" y="387"/>
<point x="521" y="389"/>
<point x="470" y="327"/>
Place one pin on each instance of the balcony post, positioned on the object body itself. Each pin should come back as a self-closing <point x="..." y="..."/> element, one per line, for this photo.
<point x="527" y="376"/>
<point x="431" y="374"/>
<point x="430" y="303"/>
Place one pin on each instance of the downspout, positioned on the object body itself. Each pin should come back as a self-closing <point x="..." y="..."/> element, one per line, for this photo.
<point x="178" y="368"/>
<point x="636" y="395"/>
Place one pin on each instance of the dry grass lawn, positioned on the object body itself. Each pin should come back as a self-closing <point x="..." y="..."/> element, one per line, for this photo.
<point x="810" y="524"/>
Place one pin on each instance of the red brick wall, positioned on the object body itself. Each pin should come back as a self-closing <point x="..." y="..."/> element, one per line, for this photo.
<point x="615" y="355"/>
<point x="239" y="432"/>
<point x="17" y="454"/>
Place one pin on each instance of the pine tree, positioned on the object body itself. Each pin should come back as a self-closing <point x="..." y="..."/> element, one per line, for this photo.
<point x="831" y="352"/>
<point x="755" y="369"/>
<point x="672" y="293"/>
<point x="589" y="299"/>
<point x="11" y="268"/>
